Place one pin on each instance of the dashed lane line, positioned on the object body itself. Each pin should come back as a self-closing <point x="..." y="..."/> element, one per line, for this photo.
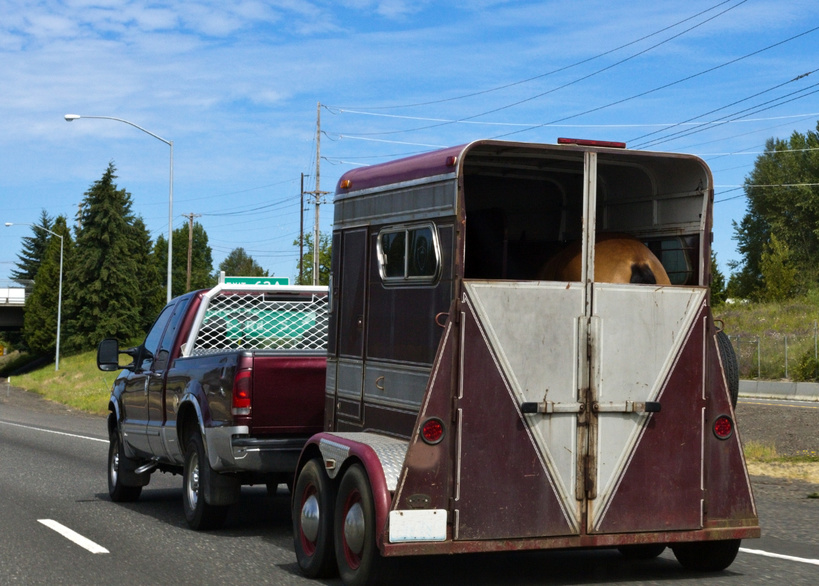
<point x="93" y="439"/>
<point x="72" y="535"/>
<point x="780" y="556"/>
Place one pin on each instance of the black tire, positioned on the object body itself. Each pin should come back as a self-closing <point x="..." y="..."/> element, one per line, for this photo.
<point x="119" y="466"/>
<point x="312" y="510"/>
<point x="199" y="514"/>
<point x="358" y="558"/>
<point x="642" y="551"/>
<point x="707" y="556"/>
<point x="730" y="364"/>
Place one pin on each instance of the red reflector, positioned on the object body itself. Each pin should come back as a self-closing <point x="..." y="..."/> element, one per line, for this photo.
<point x="433" y="430"/>
<point x="723" y="427"/>
<point x="242" y="390"/>
<point x="596" y="143"/>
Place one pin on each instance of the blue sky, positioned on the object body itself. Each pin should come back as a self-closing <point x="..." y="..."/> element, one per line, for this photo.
<point x="235" y="86"/>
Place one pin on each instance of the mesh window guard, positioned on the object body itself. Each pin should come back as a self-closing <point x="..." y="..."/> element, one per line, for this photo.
<point x="256" y="321"/>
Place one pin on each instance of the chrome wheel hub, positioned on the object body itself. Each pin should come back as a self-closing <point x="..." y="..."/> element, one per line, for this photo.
<point x="310" y="516"/>
<point x="354" y="528"/>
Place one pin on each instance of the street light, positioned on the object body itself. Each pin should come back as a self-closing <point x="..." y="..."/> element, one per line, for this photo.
<point x="60" y="294"/>
<point x="70" y="117"/>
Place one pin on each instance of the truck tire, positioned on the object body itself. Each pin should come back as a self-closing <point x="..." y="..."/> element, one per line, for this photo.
<point x="312" y="511"/>
<point x="359" y="561"/>
<point x="199" y="514"/>
<point x="707" y="556"/>
<point x="120" y="468"/>
<point x="730" y="364"/>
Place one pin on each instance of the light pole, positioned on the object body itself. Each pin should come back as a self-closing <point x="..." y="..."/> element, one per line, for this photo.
<point x="59" y="294"/>
<point x="70" y="117"/>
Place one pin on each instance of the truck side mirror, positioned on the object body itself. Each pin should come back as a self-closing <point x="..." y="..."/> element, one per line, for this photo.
<point x="108" y="355"/>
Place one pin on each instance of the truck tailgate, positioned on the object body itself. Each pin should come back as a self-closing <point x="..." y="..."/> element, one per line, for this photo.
<point x="288" y="394"/>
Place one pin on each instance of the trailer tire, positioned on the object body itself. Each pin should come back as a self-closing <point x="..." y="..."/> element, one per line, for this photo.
<point x="730" y="364"/>
<point x="199" y="514"/>
<point x="707" y="556"/>
<point x="313" y="500"/>
<point x="120" y="467"/>
<point x="641" y="551"/>
<point x="359" y="561"/>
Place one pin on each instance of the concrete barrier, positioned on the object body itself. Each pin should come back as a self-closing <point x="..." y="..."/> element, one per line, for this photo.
<point x="786" y="390"/>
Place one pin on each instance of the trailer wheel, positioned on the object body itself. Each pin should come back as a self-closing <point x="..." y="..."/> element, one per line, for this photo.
<point x="312" y="511"/>
<point x="118" y="466"/>
<point x="359" y="560"/>
<point x="199" y="514"/>
<point x="707" y="556"/>
<point x="642" y="551"/>
<point x="730" y="364"/>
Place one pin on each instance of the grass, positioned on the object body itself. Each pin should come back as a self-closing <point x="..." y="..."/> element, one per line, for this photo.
<point x="763" y="460"/>
<point x="78" y="384"/>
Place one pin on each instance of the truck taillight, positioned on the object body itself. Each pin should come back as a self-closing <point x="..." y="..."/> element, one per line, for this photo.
<point x="242" y="387"/>
<point x="723" y="427"/>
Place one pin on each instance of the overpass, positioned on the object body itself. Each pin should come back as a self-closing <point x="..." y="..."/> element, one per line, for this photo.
<point x="12" y="300"/>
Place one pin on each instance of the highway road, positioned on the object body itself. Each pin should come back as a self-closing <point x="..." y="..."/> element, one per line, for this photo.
<point x="58" y="526"/>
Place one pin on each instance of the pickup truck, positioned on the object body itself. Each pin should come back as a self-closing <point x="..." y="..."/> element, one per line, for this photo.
<point x="226" y="389"/>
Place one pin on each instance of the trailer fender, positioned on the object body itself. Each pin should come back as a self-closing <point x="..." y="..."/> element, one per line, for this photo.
<point x="375" y="453"/>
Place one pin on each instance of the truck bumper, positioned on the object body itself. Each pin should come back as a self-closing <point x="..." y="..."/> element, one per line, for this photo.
<point x="230" y="449"/>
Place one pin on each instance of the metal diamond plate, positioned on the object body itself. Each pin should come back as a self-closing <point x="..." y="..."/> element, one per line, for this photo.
<point x="390" y="451"/>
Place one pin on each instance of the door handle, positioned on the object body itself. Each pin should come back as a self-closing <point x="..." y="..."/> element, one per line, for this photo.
<point x="379" y="383"/>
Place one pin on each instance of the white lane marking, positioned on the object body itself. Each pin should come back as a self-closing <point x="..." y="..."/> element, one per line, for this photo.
<point x="780" y="556"/>
<point x="71" y="535"/>
<point x="93" y="439"/>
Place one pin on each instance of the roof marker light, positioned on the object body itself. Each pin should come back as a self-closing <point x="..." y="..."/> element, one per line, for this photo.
<point x="594" y="143"/>
<point x="346" y="184"/>
<point x="451" y="161"/>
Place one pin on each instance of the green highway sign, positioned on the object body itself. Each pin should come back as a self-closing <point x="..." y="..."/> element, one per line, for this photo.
<point x="257" y="280"/>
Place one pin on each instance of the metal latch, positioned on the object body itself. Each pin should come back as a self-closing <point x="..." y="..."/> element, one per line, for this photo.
<point x="548" y="407"/>
<point x="626" y="407"/>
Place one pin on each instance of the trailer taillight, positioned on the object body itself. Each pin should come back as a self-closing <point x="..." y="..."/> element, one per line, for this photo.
<point x="432" y="431"/>
<point x="723" y="427"/>
<point x="242" y="387"/>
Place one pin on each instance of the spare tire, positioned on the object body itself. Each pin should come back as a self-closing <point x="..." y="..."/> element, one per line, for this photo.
<point x="729" y="364"/>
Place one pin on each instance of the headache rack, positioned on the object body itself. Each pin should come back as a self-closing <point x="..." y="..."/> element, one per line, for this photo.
<point x="259" y="317"/>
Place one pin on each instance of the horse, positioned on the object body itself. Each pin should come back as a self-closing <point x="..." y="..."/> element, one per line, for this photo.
<point x="618" y="258"/>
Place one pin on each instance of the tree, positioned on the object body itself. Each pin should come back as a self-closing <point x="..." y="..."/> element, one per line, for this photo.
<point x="778" y="273"/>
<point x="325" y="250"/>
<point x="783" y="198"/>
<point x="105" y="297"/>
<point x="240" y="264"/>
<point x="149" y="275"/>
<point x="718" y="293"/>
<point x="34" y="248"/>
<point x="201" y="259"/>
<point x="42" y="306"/>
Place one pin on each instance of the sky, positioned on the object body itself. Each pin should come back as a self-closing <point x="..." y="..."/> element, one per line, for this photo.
<point x="236" y="86"/>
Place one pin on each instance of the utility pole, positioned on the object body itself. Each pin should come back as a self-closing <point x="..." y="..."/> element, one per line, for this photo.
<point x="190" y="247"/>
<point x="317" y="197"/>
<point x="301" y="234"/>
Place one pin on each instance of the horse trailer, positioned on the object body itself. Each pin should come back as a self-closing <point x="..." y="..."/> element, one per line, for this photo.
<point x="472" y="405"/>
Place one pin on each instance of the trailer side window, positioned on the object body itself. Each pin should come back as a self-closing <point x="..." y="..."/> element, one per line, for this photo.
<point x="408" y="253"/>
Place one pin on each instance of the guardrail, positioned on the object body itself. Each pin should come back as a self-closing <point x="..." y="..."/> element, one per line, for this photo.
<point x="786" y="390"/>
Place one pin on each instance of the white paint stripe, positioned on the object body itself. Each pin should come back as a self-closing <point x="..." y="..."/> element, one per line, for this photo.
<point x="73" y="536"/>
<point x="780" y="556"/>
<point x="93" y="439"/>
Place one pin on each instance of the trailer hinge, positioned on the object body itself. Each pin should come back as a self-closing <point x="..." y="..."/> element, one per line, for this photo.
<point x="588" y="478"/>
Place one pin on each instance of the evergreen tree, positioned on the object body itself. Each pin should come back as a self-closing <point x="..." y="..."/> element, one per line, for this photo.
<point x="149" y="275"/>
<point x="240" y="264"/>
<point x="104" y="293"/>
<point x="34" y="248"/>
<point x="41" y="310"/>
<point x="718" y="292"/>
<point x="201" y="259"/>
<point x="325" y="253"/>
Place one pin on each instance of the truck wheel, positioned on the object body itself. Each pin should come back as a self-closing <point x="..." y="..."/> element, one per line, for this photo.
<point x="313" y="500"/>
<point x="730" y="364"/>
<point x="118" y="466"/>
<point x="707" y="556"/>
<point x="359" y="560"/>
<point x="199" y="514"/>
<point x="642" y="551"/>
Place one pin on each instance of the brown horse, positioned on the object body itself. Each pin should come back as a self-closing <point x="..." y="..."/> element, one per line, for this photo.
<point x="618" y="258"/>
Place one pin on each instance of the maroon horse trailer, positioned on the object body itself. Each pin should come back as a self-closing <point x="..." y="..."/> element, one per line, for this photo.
<point x="471" y="407"/>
